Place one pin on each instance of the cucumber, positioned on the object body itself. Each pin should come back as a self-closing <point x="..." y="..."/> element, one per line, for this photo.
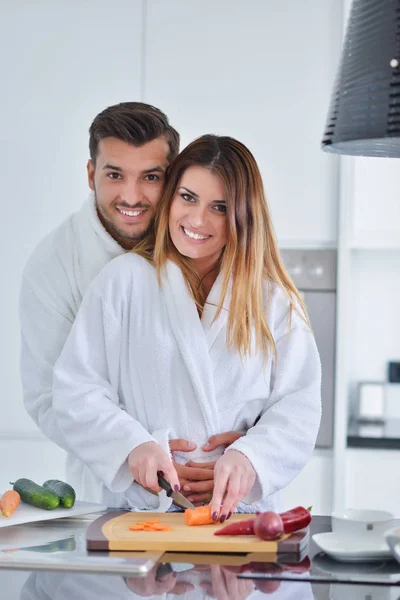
<point x="65" y="492"/>
<point x="36" y="495"/>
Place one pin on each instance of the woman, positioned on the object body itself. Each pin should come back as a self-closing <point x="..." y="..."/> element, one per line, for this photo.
<point x="198" y="333"/>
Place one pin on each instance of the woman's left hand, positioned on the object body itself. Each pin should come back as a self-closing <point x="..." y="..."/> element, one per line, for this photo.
<point x="234" y="476"/>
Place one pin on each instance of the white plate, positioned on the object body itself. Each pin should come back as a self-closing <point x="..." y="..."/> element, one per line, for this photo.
<point x="351" y="550"/>
<point x="25" y="513"/>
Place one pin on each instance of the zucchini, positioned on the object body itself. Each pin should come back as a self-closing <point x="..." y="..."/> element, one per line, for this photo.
<point x="36" y="495"/>
<point x="64" y="491"/>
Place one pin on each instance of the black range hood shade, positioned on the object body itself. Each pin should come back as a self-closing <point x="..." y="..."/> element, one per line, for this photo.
<point x="364" y="114"/>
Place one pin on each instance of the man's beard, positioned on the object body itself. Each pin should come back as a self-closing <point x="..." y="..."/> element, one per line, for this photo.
<point x="125" y="239"/>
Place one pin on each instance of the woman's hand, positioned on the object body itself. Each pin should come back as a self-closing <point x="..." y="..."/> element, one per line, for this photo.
<point x="144" y="463"/>
<point x="155" y="583"/>
<point x="225" y="584"/>
<point x="234" y="476"/>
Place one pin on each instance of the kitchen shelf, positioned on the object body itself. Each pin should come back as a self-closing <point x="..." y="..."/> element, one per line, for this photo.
<point x="385" y="435"/>
<point x="378" y="244"/>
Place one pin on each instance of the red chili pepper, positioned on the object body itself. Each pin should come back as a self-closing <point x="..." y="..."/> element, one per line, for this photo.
<point x="295" y="519"/>
<point x="240" y="528"/>
<point x="302" y="567"/>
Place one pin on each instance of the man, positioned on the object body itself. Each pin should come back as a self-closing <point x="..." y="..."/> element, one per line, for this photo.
<point x="131" y="145"/>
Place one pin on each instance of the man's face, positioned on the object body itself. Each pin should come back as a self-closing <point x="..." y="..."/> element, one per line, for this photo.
<point x="128" y="182"/>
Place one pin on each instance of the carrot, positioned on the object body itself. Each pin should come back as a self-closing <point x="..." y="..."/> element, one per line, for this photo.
<point x="198" y="516"/>
<point x="9" y="502"/>
<point x="151" y="525"/>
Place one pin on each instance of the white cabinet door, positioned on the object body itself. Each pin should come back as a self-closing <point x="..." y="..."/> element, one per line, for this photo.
<point x="372" y="479"/>
<point x="261" y="71"/>
<point x="313" y="486"/>
<point x="376" y="203"/>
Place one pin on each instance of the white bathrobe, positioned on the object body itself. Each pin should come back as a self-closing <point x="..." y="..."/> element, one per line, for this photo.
<point x="54" y="281"/>
<point x="140" y="366"/>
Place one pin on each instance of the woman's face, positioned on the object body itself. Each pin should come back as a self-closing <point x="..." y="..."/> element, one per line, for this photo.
<point x="197" y="219"/>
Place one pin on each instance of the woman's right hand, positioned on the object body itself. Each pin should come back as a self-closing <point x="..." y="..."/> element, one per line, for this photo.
<point x="144" y="463"/>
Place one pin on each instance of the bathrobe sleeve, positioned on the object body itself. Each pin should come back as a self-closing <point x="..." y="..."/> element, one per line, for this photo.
<point x="46" y="315"/>
<point x="283" y="439"/>
<point x="88" y="411"/>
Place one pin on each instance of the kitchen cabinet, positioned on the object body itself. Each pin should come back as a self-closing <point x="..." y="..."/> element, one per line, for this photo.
<point x="313" y="486"/>
<point x="368" y="322"/>
<point x="261" y="72"/>
<point x="371" y="479"/>
<point x="376" y="206"/>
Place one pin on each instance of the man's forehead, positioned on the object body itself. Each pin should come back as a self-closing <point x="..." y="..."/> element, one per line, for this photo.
<point x="133" y="158"/>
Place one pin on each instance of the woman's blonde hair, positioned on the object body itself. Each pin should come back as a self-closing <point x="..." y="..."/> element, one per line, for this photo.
<point x="250" y="258"/>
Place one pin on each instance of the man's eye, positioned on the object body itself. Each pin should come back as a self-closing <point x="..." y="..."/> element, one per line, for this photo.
<point x="152" y="177"/>
<point x="114" y="175"/>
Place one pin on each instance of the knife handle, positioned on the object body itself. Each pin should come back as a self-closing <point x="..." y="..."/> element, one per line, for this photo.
<point x="163" y="483"/>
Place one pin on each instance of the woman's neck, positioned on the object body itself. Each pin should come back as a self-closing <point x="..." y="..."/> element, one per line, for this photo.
<point x="207" y="271"/>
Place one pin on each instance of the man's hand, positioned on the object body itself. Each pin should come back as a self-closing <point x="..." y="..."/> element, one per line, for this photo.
<point x="221" y="439"/>
<point x="196" y="480"/>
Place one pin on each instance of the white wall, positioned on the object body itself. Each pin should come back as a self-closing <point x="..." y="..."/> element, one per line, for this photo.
<point x="62" y="63"/>
<point x="262" y="71"/>
<point x="259" y="70"/>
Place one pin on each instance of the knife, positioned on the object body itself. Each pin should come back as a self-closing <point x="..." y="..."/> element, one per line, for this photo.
<point x="177" y="498"/>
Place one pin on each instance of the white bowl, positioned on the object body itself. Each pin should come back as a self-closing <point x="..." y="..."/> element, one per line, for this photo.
<point x="366" y="525"/>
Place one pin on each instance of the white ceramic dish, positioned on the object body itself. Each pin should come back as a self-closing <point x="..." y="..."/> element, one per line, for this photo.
<point x="392" y="537"/>
<point x="351" y="550"/>
<point x="25" y="513"/>
<point x="362" y="524"/>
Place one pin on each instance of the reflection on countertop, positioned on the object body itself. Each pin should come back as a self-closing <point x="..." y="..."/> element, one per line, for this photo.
<point x="197" y="583"/>
<point x="379" y="434"/>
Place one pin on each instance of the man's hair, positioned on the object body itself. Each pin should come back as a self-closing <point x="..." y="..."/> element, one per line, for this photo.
<point x="136" y="123"/>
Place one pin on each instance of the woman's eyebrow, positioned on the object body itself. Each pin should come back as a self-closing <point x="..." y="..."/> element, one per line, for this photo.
<point x="189" y="191"/>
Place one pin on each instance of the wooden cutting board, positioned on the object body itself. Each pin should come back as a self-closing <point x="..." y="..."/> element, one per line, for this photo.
<point x="111" y="532"/>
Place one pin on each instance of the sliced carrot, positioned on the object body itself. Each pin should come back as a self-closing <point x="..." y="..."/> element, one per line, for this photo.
<point x="153" y="521"/>
<point x="198" y="516"/>
<point x="151" y="525"/>
<point x="9" y="502"/>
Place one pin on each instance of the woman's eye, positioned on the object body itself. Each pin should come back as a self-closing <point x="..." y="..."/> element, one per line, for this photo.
<point x="114" y="175"/>
<point x="220" y="208"/>
<point x="187" y="197"/>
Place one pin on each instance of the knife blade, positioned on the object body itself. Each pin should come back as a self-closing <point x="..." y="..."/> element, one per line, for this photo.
<point x="177" y="498"/>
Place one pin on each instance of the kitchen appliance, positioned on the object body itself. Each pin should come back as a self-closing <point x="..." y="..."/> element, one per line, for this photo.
<point x="314" y="274"/>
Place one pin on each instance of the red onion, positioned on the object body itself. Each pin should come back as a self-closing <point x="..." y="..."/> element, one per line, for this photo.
<point x="268" y="526"/>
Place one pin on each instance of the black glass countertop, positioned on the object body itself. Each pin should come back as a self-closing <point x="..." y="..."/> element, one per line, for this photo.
<point x="65" y="570"/>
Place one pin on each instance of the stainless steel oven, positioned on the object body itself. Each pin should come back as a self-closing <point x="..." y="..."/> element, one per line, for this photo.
<point x="314" y="273"/>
